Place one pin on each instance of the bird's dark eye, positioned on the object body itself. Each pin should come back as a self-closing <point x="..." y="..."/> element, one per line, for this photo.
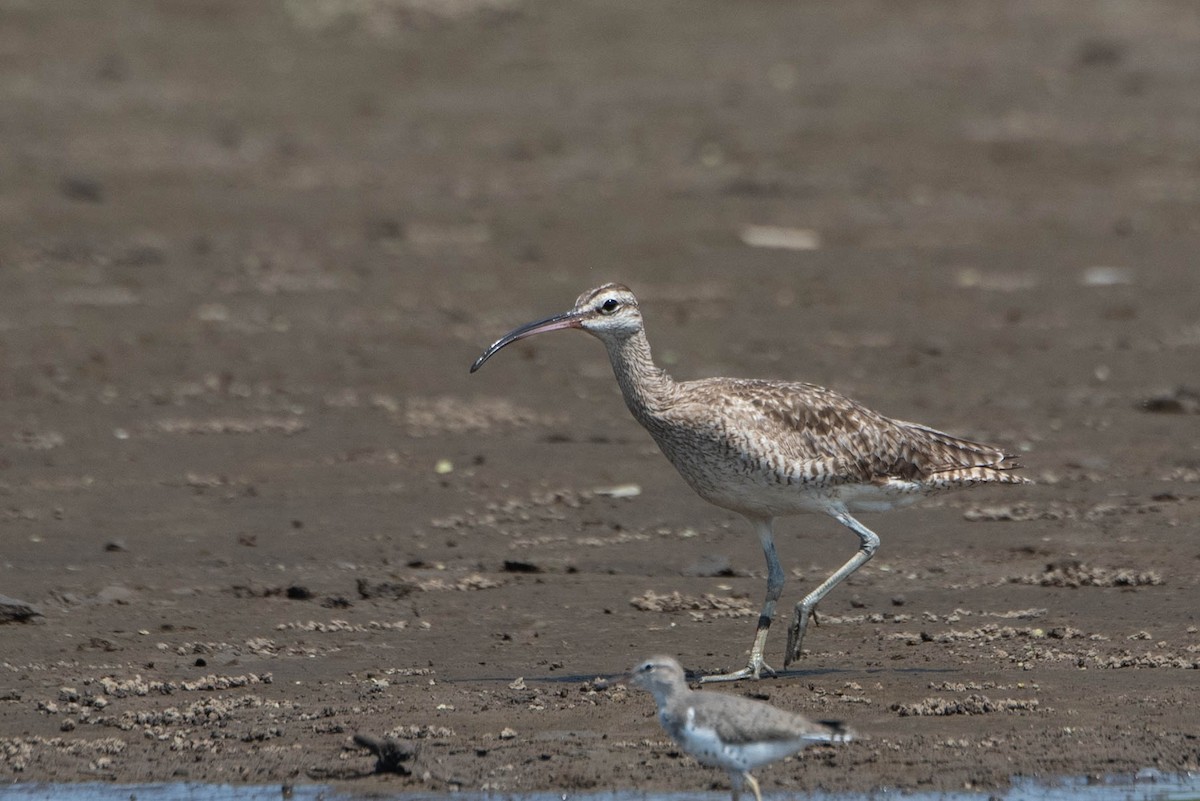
<point x="609" y="306"/>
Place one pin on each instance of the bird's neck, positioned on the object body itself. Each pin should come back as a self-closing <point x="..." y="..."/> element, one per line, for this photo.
<point x="648" y="390"/>
<point x="668" y="698"/>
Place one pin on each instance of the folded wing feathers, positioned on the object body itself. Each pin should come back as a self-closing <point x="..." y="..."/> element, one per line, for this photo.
<point x="766" y="723"/>
<point x="947" y="453"/>
<point x="806" y="422"/>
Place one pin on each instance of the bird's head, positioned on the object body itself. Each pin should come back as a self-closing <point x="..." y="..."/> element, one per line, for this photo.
<point x="658" y="675"/>
<point x="609" y="312"/>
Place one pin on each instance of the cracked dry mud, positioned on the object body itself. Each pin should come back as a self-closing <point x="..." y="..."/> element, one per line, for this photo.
<point x="253" y="505"/>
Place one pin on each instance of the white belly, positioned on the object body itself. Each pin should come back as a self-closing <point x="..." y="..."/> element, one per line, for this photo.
<point x="707" y="748"/>
<point x="750" y="496"/>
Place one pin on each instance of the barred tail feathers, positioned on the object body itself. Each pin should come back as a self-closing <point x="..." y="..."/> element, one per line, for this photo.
<point x="956" y="460"/>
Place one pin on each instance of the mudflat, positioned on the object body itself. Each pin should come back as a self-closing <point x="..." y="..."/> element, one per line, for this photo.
<point x="254" y="505"/>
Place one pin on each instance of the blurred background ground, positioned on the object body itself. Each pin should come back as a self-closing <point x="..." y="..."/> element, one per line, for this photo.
<point x="248" y="250"/>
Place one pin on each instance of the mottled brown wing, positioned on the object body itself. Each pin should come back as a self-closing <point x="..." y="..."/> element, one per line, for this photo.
<point x="794" y="426"/>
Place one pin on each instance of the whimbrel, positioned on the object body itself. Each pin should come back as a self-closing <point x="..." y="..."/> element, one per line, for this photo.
<point x="772" y="448"/>
<point x="728" y="731"/>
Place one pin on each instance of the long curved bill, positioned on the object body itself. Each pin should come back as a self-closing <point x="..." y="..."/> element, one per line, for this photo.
<point x="565" y="320"/>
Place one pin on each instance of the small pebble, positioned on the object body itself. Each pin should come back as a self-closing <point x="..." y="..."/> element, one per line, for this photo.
<point x="82" y="188"/>
<point x="780" y="238"/>
<point x="1106" y="276"/>
<point x="115" y="594"/>
<point x="620" y="491"/>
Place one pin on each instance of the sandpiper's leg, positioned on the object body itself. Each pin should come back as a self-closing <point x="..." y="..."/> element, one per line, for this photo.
<point x="766" y="535"/>
<point x="753" y="782"/>
<point x="869" y="541"/>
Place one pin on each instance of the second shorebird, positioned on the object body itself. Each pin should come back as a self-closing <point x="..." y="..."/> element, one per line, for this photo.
<point x="727" y="731"/>
<point x="772" y="448"/>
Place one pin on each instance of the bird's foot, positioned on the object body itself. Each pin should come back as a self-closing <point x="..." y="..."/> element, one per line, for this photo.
<point x="753" y="782"/>
<point x="792" y="655"/>
<point x="795" y="638"/>
<point x="754" y="670"/>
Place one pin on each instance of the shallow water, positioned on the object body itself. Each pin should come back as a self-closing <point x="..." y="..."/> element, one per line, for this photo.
<point x="1148" y="785"/>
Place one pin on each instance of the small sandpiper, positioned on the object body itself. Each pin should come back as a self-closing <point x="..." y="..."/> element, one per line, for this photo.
<point x="727" y="731"/>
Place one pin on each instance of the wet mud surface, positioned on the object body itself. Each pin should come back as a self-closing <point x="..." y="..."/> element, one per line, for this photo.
<point x="258" y="506"/>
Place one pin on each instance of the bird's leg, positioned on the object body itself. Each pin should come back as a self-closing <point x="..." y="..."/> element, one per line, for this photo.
<point x="868" y="542"/>
<point x="766" y="535"/>
<point x="753" y="782"/>
<point x="735" y="784"/>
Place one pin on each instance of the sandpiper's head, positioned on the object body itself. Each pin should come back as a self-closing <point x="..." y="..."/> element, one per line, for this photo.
<point x="659" y="675"/>
<point x="609" y="312"/>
